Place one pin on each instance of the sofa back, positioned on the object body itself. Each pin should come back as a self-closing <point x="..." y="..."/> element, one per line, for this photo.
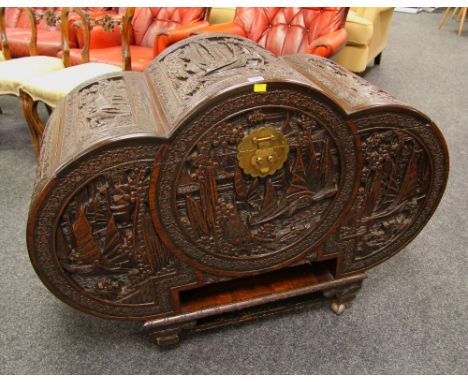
<point x="289" y="30"/>
<point x="147" y="22"/>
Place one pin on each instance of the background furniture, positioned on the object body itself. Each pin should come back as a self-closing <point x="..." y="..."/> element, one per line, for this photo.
<point x="48" y="39"/>
<point x="224" y="184"/>
<point x="14" y="71"/>
<point x="146" y="24"/>
<point x="283" y="31"/>
<point x="367" y="30"/>
<point x="52" y="87"/>
<point x="460" y="12"/>
<point x="221" y="15"/>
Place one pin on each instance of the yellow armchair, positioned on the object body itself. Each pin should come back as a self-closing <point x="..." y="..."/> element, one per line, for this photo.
<point x="221" y="15"/>
<point x="367" y="29"/>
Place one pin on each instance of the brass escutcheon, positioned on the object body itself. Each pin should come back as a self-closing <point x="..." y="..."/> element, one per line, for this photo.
<point x="262" y="152"/>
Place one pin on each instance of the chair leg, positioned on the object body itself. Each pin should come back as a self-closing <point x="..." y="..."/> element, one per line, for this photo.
<point x="36" y="127"/>
<point x="444" y="17"/>
<point x="377" y="59"/>
<point x="49" y="109"/>
<point x="462" y="20"/>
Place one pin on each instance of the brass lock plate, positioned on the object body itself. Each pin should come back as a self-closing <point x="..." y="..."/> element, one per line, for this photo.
<point x="262" y="152"/>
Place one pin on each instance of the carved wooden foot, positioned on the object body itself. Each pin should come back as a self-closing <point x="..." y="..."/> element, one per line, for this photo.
<point x="342" y="297"/>
<point x="337" y="307"/>
<point x="36" y="127"/>
<point x="169" y="336"/>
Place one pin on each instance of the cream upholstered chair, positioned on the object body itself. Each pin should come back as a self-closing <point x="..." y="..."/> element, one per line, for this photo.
<point x="367" y="29"/>
<point x="13" y="72"/>
<point x="51" y="88"/>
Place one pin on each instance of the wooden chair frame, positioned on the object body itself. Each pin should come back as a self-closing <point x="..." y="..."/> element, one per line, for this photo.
<point x="30" y="106"/>
<point x="3" y="35"/>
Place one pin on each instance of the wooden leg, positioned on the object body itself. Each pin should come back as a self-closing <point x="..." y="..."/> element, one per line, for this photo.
<point x="170" y="336"/>
<point x="462" y="20"/>
<point x="49" y="109"/>
<point x="377" y="59"/>
<point x="444" y="17"/>
<point x="343" y="297"/>
<point x="1" y="111"/>
<point x="455" y="12"/>
<point x="36" y="127"/>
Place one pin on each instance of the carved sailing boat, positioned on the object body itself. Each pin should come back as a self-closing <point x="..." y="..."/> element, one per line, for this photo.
<point x="298" y="194"/>
<point x="86" y="255"/>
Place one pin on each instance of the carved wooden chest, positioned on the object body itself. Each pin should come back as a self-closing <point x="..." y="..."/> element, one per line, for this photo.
<point x="224" y="184"/>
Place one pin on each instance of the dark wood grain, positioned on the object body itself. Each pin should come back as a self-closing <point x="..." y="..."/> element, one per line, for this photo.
<point x="141" y="210"/>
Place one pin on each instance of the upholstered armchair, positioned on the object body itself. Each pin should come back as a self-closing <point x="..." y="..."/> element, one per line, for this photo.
<point x="367" y="29"/>
<point x="283" y="31"/>
<point x="146" y="24"/>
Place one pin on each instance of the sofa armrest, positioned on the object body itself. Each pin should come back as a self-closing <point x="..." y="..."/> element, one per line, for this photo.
<point x="328" y="44"/>
<point x="359" y="29"/>
<point x="166" y="38"/>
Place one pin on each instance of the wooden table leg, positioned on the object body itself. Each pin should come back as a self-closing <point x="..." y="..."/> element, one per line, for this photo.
<point x="444" y="17"/>
<point x="462" y="20"/>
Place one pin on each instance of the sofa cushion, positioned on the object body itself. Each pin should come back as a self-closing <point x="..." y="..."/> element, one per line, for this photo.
<point x="141" y="56"/>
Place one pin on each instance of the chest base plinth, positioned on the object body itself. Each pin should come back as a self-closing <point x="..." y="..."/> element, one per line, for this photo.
<point x="238" y="301"/>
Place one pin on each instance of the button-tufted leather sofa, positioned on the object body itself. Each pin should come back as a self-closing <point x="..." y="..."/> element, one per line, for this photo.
<point x="283" y="31"/>
<point x="146" y="24"/>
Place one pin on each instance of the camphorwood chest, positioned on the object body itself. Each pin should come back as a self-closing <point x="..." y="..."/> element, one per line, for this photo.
<point x="224" y="184"/>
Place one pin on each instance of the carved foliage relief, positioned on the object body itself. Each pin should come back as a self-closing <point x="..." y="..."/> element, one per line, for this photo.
<point x="345" y="86"/>
<point x="394" y="184"/>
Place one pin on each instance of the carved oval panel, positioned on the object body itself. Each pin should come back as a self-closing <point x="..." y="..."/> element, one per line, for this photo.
<point x="403" y="178"/>
<point x="221" y="219"/>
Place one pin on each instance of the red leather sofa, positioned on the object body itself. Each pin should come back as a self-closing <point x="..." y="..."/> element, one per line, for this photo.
<point x="146" y="24"/>
<point x="283" y="31"/>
